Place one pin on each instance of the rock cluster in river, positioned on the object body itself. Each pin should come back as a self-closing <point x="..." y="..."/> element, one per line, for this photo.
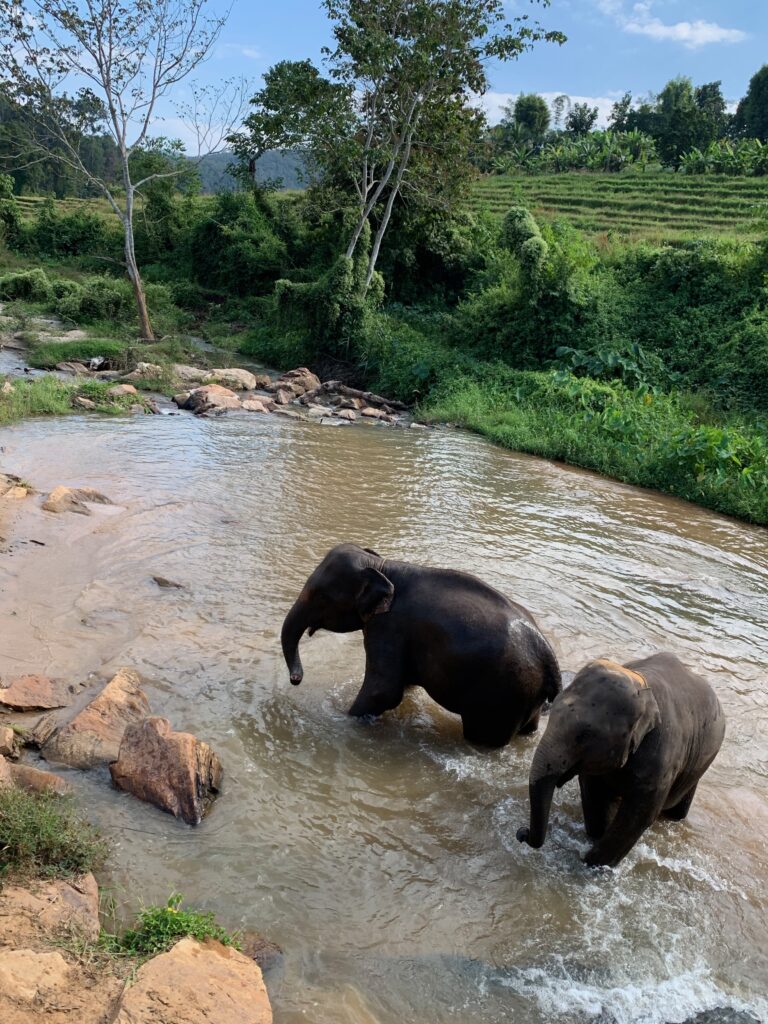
<point x="173" y="770"/>
<point x="331" y="403"/>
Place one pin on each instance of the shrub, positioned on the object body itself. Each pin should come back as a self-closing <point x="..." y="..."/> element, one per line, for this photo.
<point x="43" y="835"/>
<point x="31" y="285"/>
<point x="159" y="928"/>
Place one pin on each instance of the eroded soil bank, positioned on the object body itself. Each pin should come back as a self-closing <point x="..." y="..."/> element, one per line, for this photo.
<point x="382" y="857"/>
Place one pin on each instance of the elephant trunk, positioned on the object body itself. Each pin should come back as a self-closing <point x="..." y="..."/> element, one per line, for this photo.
<point x="293" y="629"/>
<point x="543" y="780"/>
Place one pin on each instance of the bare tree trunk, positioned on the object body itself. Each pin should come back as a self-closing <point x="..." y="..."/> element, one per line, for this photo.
<point x="132" y="268"/>
<point x="387" y="214"/>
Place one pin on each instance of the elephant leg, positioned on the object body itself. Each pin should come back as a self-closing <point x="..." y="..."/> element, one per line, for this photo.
<point x="382" y="687"/>
<point x="681" y="808"/>
<point x="484" y="727"/>
<point x="532" y="724"/>
<point x="634" y="816"/>
<point x="598" y="805"/>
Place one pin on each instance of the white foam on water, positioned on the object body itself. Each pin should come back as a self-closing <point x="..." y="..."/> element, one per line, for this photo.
<point x="670" y="1000"/>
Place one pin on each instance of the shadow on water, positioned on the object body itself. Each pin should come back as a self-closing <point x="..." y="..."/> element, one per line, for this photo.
<point x="382" y="856"/>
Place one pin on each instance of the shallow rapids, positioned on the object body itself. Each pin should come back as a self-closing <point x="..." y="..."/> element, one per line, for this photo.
<point x="382" y="857"/>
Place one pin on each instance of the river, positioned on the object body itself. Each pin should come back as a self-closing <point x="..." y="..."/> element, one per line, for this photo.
<point x="382" y="857"/>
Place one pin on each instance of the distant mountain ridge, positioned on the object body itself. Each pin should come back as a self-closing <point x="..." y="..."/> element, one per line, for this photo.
<point x="214" y="176"/>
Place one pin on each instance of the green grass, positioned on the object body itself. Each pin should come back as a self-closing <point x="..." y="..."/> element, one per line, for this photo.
<point x="666" y="442"/>
<point x="653" y="206"/>
<point x="49" y="396"/>
<point x="45" y="355"/>
<point x="44" y="836"/>
<point x="159" y="928"/>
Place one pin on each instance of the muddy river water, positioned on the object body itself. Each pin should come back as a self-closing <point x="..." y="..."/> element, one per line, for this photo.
<point x="382" y="857"/>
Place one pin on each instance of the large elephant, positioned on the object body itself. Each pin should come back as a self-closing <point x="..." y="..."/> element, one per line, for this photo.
<point x="475" y="652"/>
<point x="639" y="737"/>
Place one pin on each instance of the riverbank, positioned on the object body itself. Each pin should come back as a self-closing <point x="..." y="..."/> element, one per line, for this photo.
<point x="174" y="965"/>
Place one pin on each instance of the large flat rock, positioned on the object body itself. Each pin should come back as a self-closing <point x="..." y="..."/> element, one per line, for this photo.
<point x="93" y="735"/>
<point x="47" y="910"/>
<point x="36" y="693"/>
<point x="197" y="983"/>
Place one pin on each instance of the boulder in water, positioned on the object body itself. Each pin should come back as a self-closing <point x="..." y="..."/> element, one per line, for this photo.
<point x="93" y="735"/>
<point x="74" y="499"/>
<point x="175" y="771"/>
<point x="35" y="693"/>
<point x="237" y="380"/>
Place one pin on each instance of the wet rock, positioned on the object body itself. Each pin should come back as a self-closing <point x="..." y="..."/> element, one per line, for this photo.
<point x="83" y="403"/>
<point x="36" y="693"/>
<point x="263" y="380"/>
<point x="290" y="413"/>
<point x="419" y="426"/>
<point x="255" y="405"/>
<point x="316" y="410"/>
<point x="7" y="388"/>
<point x="268" y="955"/>
<point x="370" y="413"/>
<point x="302" y="378"/>
<point x="76" y="369"/>
<point x="188" y="374"/>
<point x="237" y="380"/>
<point x="346" y="414"/>
<point x="122" y="391"/>
<point x="93" y="735"/>
<point x="35" y="780"/>
<point x="211" y="397"/>
<point x="351" y="403"/>
<point x="182" y="398"/>
<point x="144" y="371"/>
<point x="196" y="983"/>
<point x="329" y="421"/>
<point x="172" y="770"/>
<point x="73" y="499"/>
<point x="49" y="909"/>
<point x="7" y="741"/>
<point x="283" y="396"/>
<point x="13" y="486"/>
<point x="165" y="584"/>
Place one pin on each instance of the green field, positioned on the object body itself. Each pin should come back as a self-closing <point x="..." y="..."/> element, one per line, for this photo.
<point x="654" y="205"/>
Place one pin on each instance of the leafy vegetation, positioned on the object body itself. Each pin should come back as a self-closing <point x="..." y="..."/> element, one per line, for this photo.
<point x="44" y="835"/>
<point x="159" y="928"/>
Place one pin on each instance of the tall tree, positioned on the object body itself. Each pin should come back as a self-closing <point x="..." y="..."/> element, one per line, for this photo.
<point x="560" y="106"/>
<point x="395" y="116"/>
<point x="752" y="111"/>
<point x="581" y="119"/>
<point x="121" y="58"/>
<point x="532" y="115"/>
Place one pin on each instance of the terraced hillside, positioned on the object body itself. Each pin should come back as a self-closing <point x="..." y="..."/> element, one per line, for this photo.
<point x="651" y="205"/>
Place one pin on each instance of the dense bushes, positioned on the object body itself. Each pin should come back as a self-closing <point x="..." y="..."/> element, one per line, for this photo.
<point x="92" y="300"/>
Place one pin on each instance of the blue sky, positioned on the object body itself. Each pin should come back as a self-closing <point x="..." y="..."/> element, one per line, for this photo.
<point x="613" y="45"/>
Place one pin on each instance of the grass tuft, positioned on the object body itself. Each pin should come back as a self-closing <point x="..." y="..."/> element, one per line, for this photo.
<point x="160" y="928"/>
<point x="44" y="836"/>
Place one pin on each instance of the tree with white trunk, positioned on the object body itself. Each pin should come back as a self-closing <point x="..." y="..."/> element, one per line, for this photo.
<point x="80" y="66"/>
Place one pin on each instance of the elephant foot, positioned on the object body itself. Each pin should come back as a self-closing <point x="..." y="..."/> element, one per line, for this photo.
<point x="531" y="725"/>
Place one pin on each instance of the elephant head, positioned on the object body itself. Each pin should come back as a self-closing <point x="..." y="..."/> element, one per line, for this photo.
<point x="594" y="728"/>
<point x="346" y="589"/>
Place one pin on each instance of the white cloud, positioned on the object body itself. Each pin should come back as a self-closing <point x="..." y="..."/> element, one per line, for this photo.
<point x="691" y="34"/>
<point x="242" y="50"/>
<point x="494" y="102"/>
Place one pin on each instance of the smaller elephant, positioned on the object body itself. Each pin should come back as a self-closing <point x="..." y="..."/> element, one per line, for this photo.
<point x="474" y="651"/>
<point x="639" y="737"/>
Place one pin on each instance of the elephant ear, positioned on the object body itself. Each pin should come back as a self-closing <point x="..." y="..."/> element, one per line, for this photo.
<point x="648" y="719"/>
<point x="375" y="594"/>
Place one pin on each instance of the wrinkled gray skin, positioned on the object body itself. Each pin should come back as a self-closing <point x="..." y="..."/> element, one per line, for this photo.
<point x="638" y="748"/>
<point x="475" y="652"/>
